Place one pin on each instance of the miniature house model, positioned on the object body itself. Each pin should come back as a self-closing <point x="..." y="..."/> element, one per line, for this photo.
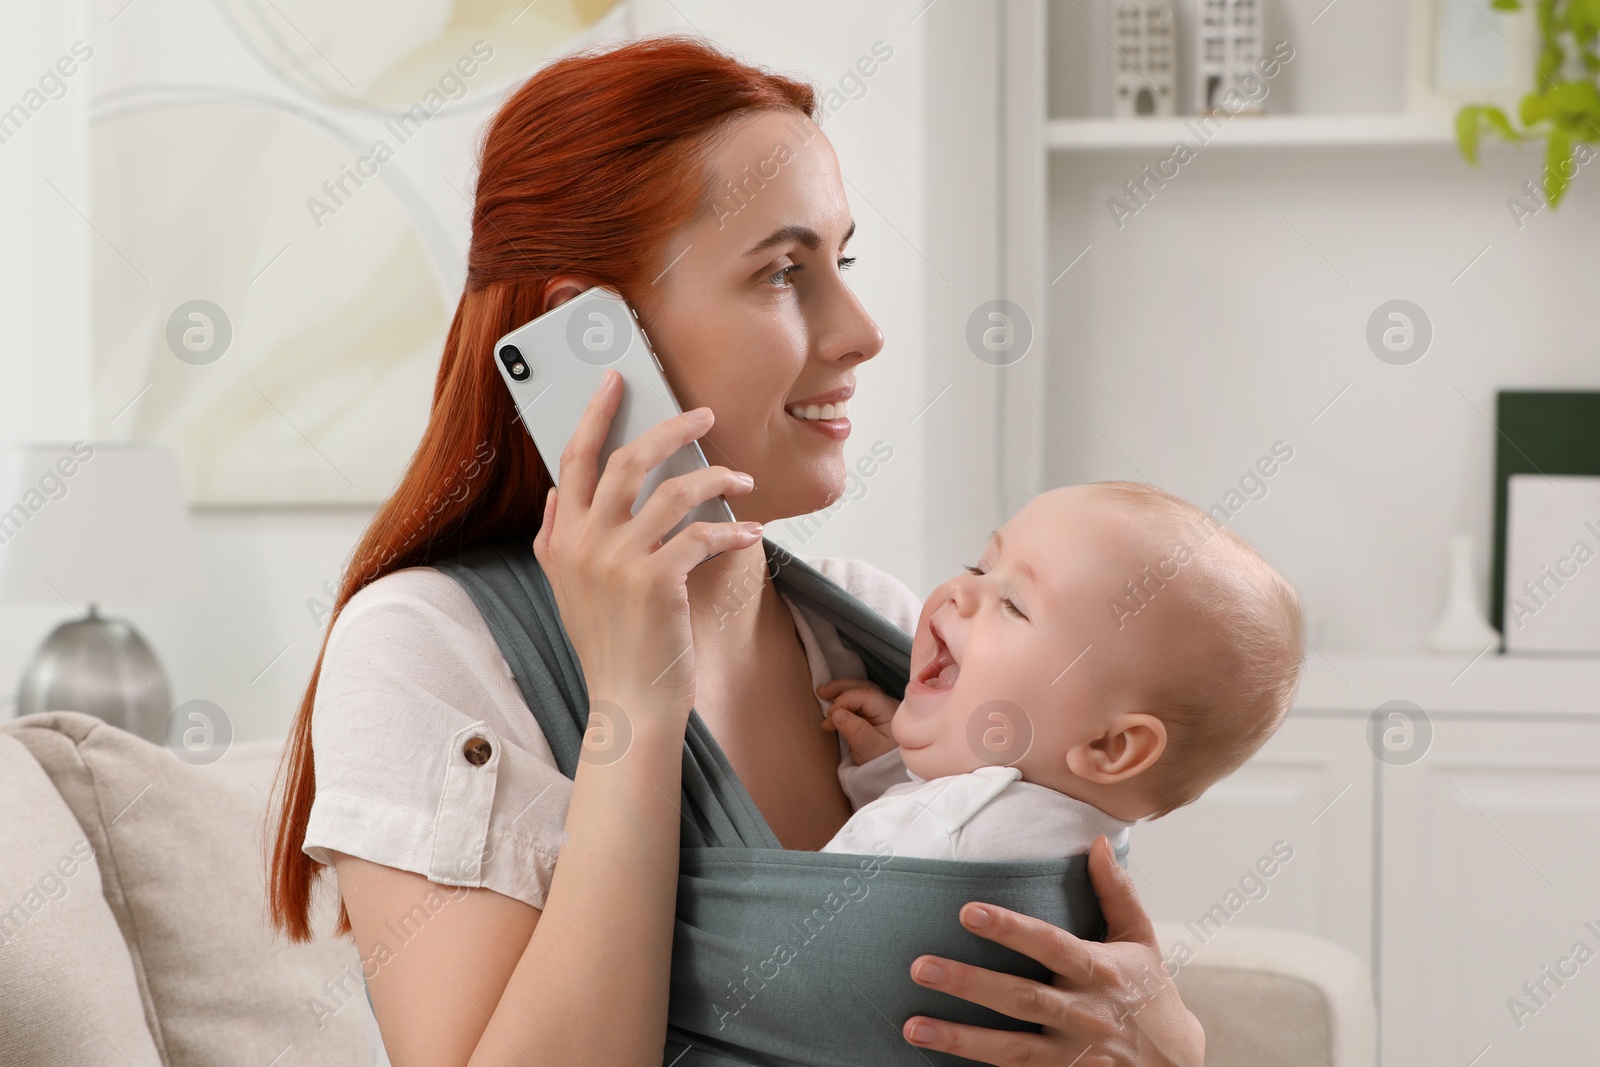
<point x="1227" y="47"/>
<point x="1145" y="62"/>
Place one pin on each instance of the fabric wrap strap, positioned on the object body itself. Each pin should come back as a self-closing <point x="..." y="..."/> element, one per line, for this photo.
<point x="784" y="958"/>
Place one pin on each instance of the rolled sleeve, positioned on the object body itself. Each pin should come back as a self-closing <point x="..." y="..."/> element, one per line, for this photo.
<point x="426" y="757"/>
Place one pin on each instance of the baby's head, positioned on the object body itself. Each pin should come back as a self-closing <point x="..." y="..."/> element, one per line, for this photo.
<point x="1114" y="643"/>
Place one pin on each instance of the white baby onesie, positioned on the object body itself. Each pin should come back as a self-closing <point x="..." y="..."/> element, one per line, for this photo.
<point x="986" y="814"/>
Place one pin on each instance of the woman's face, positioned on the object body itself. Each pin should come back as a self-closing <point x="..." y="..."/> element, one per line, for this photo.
<point x="750" y="313"/>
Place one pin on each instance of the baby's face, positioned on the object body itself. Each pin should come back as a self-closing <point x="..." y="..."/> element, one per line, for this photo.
<point x="1016" y="664"/>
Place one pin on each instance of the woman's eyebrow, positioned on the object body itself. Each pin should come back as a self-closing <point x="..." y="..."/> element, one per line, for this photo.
<point x="804" y="234"/>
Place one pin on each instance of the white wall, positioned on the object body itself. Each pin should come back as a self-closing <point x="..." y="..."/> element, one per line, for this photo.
<point x="44" y="332"/>
<point x="44" y="299"/>
<point x="1227" y="313"/>
<point x="1191" y="339"/>
<point x="916" y="147"/>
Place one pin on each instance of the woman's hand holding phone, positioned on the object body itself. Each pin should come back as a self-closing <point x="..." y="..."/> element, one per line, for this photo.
<point x="622" y="593"/>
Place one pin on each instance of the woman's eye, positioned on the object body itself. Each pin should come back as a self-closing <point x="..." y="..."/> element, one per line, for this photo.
<point x="779" y="278"/>
<point x="970" y="569"/>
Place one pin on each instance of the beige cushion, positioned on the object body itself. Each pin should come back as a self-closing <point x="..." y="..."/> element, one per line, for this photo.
<point x="67" y="989"/>
<point x="1274" y="998"/>
<point x="1258" y="1017"/>
<point x="182" y="868"/>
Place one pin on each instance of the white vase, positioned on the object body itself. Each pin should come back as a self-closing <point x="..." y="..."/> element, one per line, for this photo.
<point x="1461" y="626"/>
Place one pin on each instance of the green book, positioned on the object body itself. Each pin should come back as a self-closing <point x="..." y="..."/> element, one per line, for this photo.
<point x="1547" y="432"/>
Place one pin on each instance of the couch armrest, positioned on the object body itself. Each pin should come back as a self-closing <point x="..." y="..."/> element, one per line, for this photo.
<point x="1274" y="998"/>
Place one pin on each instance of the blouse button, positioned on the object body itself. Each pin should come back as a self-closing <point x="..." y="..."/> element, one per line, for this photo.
<point x="477" y="751"/>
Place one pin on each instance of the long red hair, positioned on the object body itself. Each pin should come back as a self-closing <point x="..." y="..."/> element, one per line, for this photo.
<point x="587" y="168"/>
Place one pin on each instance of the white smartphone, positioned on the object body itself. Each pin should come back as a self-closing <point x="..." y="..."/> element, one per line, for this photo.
<point x="554" y="364"/>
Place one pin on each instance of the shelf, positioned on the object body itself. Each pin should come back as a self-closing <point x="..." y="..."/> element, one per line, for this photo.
<point x="1360" y="681"/>
<point x="1248" y="131"/>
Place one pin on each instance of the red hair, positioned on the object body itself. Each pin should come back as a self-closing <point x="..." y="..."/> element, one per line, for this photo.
<point x="588" y="168"/>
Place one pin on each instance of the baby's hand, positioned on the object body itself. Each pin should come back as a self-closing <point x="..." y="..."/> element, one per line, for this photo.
<point x="861" y="712"/>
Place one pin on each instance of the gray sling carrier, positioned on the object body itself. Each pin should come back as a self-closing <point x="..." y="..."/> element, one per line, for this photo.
<point x="785" y="958"/>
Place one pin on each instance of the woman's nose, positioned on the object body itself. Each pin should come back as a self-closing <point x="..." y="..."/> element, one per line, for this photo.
<point x="850" y="333"/>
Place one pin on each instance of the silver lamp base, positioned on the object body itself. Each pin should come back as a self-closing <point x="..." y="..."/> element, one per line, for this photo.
<point x="101" y="667"/>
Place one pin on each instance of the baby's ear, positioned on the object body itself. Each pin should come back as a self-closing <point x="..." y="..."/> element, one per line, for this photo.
<point x="1129" y="745"/>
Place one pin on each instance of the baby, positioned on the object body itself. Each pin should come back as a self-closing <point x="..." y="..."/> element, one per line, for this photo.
<point x="1113" y="653"/>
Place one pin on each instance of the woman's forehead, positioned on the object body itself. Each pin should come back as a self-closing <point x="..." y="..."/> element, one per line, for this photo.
<point x="772" y="170"/>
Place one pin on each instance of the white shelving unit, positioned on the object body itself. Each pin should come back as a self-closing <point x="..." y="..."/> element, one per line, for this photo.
<point x="1457" y="874"/>
<point x="1248" y="131"/>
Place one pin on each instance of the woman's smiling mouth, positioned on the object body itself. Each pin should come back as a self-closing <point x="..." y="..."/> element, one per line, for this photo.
<point x="826" y="413"/>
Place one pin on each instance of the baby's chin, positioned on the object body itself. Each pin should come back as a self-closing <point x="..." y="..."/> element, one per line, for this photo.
<point x="933" y="760"/>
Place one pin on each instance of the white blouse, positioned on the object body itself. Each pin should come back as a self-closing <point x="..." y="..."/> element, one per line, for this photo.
<point x="411" y="676"/>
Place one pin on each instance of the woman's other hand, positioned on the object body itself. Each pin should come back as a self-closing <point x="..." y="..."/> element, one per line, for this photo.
<point x="861" y="712"/>
<point x="1111" y="1003"/>
<point x="621" y="592"/>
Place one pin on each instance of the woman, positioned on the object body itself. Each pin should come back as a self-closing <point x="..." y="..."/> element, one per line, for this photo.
<point x="700" y="189"/>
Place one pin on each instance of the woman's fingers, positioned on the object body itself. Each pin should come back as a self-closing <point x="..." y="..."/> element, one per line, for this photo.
<point x="1116" y="997"/>
<point x="579" y="465"/>
<point x="1126" y="919"/>
<point x="1065" y="954"/>
<point x="541" y="540"/>
<point x="620" y="482"/>
<point x="674" y="498"/>
<point x="1000" y="1047"/>
<point x="1020" y="998"/>
<point x="691" y="545"/>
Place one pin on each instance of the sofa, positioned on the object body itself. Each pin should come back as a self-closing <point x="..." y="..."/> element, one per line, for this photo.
<point x="133" y="928"/>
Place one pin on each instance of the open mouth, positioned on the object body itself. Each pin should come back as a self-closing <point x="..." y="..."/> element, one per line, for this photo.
<point x="939" y="672"/>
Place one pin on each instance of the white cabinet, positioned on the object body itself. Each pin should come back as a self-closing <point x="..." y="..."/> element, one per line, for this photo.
<point x="1468" y="879"/>
<point x="1491" y="895"/>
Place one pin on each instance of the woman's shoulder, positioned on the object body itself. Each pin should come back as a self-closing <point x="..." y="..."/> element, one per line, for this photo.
<point x="410" y="676"/>
<point x="419" y="591"/>
<point x="413" y="640"/>
<point x="873" y="586"/>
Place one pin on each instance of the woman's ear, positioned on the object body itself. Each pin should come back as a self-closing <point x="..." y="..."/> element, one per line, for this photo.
<point x="561" y="288"/>
<point x="1130" y="744"/>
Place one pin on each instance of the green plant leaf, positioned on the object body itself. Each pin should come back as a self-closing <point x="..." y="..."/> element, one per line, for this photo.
<point x="1558" y="165"/>
<point x="1468" y="123"/>
<point x="1562" y="111"/>
<point x="1499" y="123"/>
<point x="1583" y="16"/>
<point x="1535" y="108"/>
<point x="1573" y="99"/>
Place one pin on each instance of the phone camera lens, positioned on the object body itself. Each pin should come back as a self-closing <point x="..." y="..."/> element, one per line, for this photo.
<point x="512" y="358"/>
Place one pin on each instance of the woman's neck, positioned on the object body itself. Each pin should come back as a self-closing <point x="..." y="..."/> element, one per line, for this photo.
<point x="725" y="594"/>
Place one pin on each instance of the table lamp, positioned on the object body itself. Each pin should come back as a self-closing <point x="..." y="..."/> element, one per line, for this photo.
<point x="87" y="523"/>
